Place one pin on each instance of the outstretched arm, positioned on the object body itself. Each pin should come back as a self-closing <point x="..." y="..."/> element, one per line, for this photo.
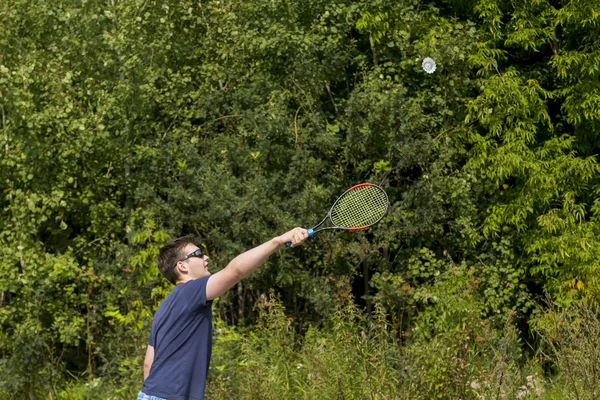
<point x="244" y="264"/>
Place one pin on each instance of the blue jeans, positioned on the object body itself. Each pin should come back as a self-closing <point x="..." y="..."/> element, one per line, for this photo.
<point x="144" y="396"/>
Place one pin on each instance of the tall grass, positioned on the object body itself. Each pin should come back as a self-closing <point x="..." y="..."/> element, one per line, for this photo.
<point x="570" y="345"/>
<point x="350" y="359"/>
<point x="449" y="351"/>
<point x="357" y="356"/>
<point x="452" y="352"/>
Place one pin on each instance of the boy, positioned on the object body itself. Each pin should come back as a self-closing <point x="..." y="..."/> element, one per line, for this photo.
<point x="179" y="348"/>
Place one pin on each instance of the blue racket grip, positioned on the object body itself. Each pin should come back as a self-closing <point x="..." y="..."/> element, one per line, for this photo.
<point x="310" y="234"/>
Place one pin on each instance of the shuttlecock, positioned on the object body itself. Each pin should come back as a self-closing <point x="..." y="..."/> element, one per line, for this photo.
<point x="428" y="65"/>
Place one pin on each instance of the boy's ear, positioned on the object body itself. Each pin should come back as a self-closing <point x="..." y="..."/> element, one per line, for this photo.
<point x="181" y="268"/>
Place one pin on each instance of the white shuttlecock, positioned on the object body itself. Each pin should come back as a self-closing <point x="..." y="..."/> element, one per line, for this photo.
<point x="428" y="65"/>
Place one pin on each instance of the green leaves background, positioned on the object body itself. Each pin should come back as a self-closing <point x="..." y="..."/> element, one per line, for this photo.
<point x="125" y="123"/>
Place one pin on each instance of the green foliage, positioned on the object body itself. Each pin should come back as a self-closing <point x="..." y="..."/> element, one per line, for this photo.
<point x="123" y="124"/>
<point x="539" y="160"/>
<point x="568" y="338"/>
<point x="451" y="353"/>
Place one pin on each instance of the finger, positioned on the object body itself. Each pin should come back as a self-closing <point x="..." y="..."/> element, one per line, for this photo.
<point x="303" y="234"/>
<point x="296" y="237"/>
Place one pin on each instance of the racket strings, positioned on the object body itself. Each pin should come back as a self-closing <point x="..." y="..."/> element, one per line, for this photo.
<point x="360" y="207"/>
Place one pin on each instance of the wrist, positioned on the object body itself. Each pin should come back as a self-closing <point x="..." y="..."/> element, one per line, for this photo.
<point x="277" y="241"/>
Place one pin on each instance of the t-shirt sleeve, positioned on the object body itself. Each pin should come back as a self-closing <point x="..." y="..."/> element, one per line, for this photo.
<point x="152" y="338"/>
<point x="195" y="293"/>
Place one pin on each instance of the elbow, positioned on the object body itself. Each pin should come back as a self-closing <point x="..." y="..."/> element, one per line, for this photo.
<point x="237" y="273"/>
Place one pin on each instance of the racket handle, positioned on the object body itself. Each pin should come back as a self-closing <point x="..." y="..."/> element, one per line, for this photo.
<point x="310" y="234"/>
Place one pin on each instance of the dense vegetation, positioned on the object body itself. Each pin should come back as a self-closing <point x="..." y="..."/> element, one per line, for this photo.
<point x="126" y="123"/>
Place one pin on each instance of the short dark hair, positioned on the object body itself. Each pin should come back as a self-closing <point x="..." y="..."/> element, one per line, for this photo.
<point x="170" y="254"/>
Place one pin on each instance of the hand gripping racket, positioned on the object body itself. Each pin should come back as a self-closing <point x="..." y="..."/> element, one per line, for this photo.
<point x="358" y="208"/>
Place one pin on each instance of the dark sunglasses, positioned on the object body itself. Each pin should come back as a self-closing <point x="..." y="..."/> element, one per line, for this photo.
<point x="198" y="253"/>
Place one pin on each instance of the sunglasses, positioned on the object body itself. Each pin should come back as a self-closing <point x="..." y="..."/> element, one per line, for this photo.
<point x="198" y="253"/>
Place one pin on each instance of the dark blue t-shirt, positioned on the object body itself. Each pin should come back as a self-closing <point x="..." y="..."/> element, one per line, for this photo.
<point x="181" y="335"/>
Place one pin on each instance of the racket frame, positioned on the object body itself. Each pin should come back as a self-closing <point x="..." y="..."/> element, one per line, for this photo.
<point x="315" y="229"/>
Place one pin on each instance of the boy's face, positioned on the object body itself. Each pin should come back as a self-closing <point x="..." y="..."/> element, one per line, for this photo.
<point x="197" y="266"/>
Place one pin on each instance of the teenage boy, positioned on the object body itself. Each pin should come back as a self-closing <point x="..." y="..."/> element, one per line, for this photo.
<point x="179" y="348"/>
